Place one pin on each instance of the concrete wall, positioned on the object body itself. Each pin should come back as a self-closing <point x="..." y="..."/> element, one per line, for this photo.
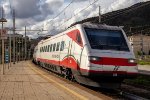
<point x="136" y="42"/>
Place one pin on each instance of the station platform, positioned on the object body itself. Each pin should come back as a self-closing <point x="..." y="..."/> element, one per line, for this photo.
<point x="25" y="81"/>
<point x="144" y="69"/>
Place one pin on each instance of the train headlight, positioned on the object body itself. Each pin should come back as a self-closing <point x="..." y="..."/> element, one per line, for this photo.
<point x="132" y="61"/>
<point x="93" y="58"/>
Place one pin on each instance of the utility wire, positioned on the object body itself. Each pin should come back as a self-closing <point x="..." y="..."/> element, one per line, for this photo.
<point x="126" y="11"/>
<point x="73" y="15"/>
<point x="118" y="13"/>
<point x="62" y="10"/>
<point x="79" y="12"/>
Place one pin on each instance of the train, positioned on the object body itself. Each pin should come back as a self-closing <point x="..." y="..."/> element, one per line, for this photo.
<point x="96" y="55"/>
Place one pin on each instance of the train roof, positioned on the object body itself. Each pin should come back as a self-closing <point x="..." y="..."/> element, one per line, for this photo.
<point x="87" y="25"/>
<point x="100" y="26"/>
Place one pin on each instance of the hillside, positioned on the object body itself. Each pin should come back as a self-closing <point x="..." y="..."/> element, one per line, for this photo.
<point x="134" y="16"/>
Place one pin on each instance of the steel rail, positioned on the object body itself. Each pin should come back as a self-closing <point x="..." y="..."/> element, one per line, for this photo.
<point x="131" y="96"/>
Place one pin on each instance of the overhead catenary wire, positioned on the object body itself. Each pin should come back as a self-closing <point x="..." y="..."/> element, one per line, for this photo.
<point x="71" y="16"/>
<point x="126" y="11"/>
<point x="121" y="12"/>
<point x="62" y="11"/>
<point x="74" y="14"/>
<point x="79" y="12"/>
<point x="117" y="13"/>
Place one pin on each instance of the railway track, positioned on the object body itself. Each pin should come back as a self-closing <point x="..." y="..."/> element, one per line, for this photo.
<point x="131" y="96"/>
<point x="135" y="91"/>
<point x="143" y="72"/>
<point x="116" y="94"/>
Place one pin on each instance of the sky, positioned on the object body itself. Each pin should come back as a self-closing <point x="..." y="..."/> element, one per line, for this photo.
<point x="41" y="14"/>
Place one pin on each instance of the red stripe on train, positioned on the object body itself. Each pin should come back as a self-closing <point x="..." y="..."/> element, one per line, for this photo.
<point x="68" y="62"/>
<point x="71" y="63"/>
<point x="113" y="61"/>
<point x="108" y="72"/>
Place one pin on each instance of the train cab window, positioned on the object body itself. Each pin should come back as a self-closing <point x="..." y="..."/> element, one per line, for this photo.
<point x="62" y="45"/>
<point x="106" y="39"/>
<point x="54" y="47"/>
<point x="51" y="48"/>
<point x="78" y="38"/>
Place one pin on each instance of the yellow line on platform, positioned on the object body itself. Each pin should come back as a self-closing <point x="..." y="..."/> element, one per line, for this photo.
<point x="62" y="86"/>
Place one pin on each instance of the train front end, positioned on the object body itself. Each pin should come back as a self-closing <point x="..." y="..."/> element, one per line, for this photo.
<point x="110" y="58"/>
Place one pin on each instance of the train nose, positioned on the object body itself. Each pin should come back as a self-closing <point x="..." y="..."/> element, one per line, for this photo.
<point x="94" y="59"/>
<point x="112" y="64"/>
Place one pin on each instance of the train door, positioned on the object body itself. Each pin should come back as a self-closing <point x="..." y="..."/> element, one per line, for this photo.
<point x="70" y="53"/>
<point x="65" y="47"/>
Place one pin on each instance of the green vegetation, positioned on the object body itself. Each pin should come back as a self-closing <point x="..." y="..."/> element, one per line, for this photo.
<point x="138" y="16"/>
<point x="143" y="62"/>
<point x="139" y="81"/>
<point x="139" y="53"/>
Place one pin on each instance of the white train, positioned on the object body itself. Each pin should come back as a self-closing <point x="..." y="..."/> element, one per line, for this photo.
<point x="92" y="54"/>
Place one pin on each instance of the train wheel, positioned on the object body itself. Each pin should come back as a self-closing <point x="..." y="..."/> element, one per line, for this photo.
<point x="69" y="75"/>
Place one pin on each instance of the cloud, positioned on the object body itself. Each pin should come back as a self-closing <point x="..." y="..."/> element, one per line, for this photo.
<point x="26" y="8"/>
<point x="91" y="11"/>
<point x="51" y="6"/>
<point x="80" y="0"/>
<point x="30" y="12"/>
<point x="36" y="10"/>
<point x="33" y="13"/>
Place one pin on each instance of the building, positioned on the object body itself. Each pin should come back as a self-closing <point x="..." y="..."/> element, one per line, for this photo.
<point x="140" y="43"/>
<point x="19" y="47"/>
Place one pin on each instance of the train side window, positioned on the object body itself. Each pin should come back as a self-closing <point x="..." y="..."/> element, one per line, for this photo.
<point x="54" y="47"/>
<point x="78" y="38"/>
<point x="62" y="45"/>
<point x="40" y="49"/>
<point x="57" y="48"/>
<point x="43" y="48"/>
<point x="51" y="48"/>
<point x="48" y="48"/>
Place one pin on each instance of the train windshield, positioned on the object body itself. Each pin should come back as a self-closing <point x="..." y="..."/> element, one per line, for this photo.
<point x="106" y="39"/>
